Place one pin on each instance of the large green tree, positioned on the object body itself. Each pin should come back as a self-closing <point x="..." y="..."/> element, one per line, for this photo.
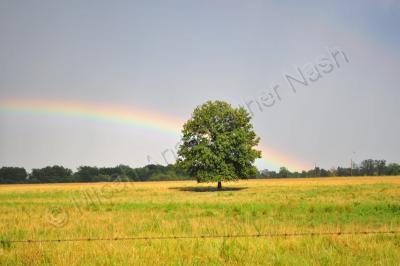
<point x="218" y="144"/>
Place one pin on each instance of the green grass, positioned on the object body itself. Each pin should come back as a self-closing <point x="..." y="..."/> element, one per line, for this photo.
<point x="179" y="209"/>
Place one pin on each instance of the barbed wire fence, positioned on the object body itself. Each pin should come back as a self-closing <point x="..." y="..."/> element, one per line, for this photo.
<point x="5" y="243"/>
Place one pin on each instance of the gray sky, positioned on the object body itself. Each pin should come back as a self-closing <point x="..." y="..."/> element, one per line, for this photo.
<point x="168" y="57"/>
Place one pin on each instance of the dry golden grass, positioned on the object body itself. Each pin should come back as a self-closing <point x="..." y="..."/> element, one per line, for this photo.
<point x="185" y="208"/>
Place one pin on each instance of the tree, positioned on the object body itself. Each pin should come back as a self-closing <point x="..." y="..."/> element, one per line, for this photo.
<point x="268" y="174"/>
<point x="12" y="175"/>
<point x="51" y="174"/>
<point x="393" y="169"/>
<point x="343" y="171"/>
<point x="367" y="167"/>
<point x="284" y="172"/>
<point x="218" y="144"/>
<point x="86" y="173"/>
<point x="380" y="166"/>
<point x="324" y="173"/>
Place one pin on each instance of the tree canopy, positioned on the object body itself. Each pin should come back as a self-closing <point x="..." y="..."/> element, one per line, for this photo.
<point x="218" y="143"/>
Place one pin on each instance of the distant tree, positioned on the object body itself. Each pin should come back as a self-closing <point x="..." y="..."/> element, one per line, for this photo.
<point x="324" y="173"/>
<point x="367" y="167"/>
<point x="13" y="175"/>
<point x="51" y="174"/>
<point x="379" y="167"/>
<point x="295" y="174"/>
<point x="392" y="169"/>
<point x="311" y="173"/>
<point x="284" y="172"/>
<point x="112" y="172"/>
<point x="268" y="174"/>
<point x="355" y="170"/>
<point x="218" y="144"/>
<point x="126" y="171"/>
<point x="342" y="171"/>
<point x="87" y="174"/>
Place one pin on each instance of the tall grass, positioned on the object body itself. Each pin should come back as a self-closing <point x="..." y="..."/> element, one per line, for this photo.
<point x="103" y="210"/>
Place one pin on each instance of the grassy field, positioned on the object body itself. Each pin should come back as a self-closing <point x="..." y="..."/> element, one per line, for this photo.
<point x="109" y="210"/>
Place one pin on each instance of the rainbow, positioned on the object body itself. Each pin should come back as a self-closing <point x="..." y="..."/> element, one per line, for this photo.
<point x="272" y="160"/>
<point x="130" y="116"/>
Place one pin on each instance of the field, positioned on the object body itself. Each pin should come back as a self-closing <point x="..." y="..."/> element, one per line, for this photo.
<point x="185" y="208"/>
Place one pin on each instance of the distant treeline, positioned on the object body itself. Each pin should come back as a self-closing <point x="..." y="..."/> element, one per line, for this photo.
<point x="365" y="168"/>
<point x="120" y="173"/>
<point x="124" y="173"/>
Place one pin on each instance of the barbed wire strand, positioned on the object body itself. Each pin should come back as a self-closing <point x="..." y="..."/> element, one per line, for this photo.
<point x="199" y="237"/>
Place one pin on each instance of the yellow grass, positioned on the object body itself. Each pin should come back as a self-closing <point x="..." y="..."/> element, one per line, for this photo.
<point x="185" y="208"/>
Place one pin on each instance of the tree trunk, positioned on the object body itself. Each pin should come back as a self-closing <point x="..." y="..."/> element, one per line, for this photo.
<point x="219" y="185"/>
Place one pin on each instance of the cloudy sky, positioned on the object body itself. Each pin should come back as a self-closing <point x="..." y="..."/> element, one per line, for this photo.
<point x="160" y="59"/>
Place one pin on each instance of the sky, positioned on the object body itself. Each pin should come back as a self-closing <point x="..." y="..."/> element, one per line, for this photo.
<point x="103" y="83"/>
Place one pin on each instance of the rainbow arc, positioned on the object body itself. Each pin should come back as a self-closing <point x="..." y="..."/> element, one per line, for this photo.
<point x="130" y="116"/>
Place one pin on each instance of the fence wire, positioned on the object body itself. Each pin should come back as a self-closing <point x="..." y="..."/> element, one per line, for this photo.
<point x="267" y="235"/>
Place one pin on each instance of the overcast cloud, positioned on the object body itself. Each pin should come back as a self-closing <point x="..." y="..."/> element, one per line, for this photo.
<point x="170" y="56"/>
